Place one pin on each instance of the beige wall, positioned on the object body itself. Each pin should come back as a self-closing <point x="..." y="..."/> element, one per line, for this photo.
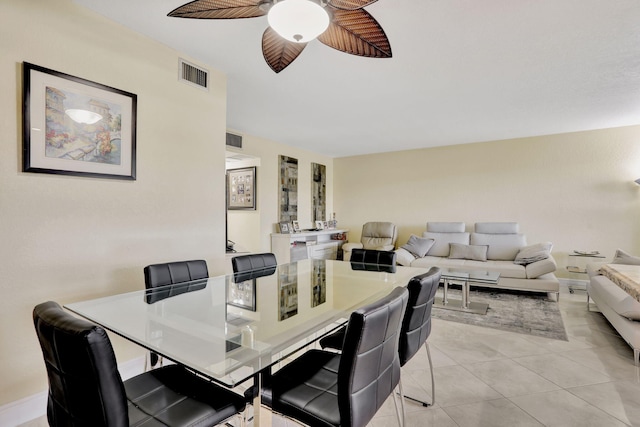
<point x="265" y="217"/>
<point x="69" y="238"/>
<point x="575" y="189"/>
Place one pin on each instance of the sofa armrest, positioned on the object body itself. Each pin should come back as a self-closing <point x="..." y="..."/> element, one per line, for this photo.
<point x="348" y="247"/>
<point x="538" y="268"/>
<point x="593" y="268"/>
<point x="404" y="257"/>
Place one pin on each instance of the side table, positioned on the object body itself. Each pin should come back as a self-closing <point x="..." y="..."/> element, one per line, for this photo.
<point x="578" y="261"/>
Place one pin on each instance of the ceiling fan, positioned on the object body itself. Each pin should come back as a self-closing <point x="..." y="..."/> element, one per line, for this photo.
<point x="341" y="24"/>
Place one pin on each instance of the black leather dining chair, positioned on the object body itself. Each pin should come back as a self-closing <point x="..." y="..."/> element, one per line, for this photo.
<point x="373" y="260"/>
<point x="85" y="387"/>
<point x="416" y="324"/>
<point x="252" y="262"/>
<point x="171" y="273"/>
<point x="323" y="388"/>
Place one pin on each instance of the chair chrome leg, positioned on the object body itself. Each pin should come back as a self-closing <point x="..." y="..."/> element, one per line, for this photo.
<point x="395" y="402"/>
<point x="433" y="383"/>
<point x="636" y="356"/>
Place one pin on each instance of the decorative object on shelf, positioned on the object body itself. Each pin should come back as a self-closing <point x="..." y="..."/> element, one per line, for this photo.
<point x="296" y="226"/>
<point x="318" y="191"/>
<point x="241" y="189"/>
<point x="319" y="225"/>
<point x="288" y="188"/>
<point x="586" y="253"/>
<point x="341" y="24"/>
<point x="285" y="228"/>
<point x="333" y="223"/>
<point x="73" y="126"/>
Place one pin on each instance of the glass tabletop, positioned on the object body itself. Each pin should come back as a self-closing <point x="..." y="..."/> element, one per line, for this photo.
<point x="228" y="328"/>
<point x="477" y="276"/>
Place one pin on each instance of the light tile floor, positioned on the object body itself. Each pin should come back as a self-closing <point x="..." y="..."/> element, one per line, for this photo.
<point x="492" y="378"/>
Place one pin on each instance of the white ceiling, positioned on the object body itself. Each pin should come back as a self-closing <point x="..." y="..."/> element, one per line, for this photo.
<point x="462" y="71"/>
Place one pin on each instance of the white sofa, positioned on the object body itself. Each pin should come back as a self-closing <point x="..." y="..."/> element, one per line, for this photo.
<point x="504" y="243"/>
<point x="620" y="308"/>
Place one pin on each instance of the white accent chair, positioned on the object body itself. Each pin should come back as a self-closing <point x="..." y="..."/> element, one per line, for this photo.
<point x="380" y="236"/>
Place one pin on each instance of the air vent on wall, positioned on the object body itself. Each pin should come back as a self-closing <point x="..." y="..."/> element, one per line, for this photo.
<point x="234" y="140"/>
<point x="192" y="75"/>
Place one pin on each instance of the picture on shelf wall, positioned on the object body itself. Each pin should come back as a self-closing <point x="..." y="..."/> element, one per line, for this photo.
<point x="288" y="192"/>
<point x="319" y="225"/>
<point x="318" y="284"/>
<point x="73" y="126"/>
<point x="288" y="285"/>
<point x="241" y="189"/>
<point x="295" y="226"/>
<point x="242" y="294"/>
<point x="318" y="191"/>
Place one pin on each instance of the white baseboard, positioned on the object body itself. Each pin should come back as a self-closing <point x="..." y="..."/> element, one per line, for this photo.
<point x="31" y="407"/>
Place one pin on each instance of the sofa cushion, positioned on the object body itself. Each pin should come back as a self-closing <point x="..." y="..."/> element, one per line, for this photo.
<point x="446" y="227"/>
<point x="497" y="227"/>
<point x="533" y="253"/>
<point x="472" y="252"/>
<point x="436" y="261"/>
<point x="404" y="257"/>
<point x="419" y="246"/>
<point x="621" y="257"/>
<point x="442" y="241"/>
<point x="616" y="298"/>
<point x="505" y="268"/>
<point x="501" y="246"/>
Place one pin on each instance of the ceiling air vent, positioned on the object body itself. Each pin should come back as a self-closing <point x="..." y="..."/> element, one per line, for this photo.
<point x="234" y="140"/>
<point x="192" y="75"/>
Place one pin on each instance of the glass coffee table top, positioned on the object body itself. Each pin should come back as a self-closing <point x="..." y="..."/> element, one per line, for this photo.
<point x="452" y="276"/>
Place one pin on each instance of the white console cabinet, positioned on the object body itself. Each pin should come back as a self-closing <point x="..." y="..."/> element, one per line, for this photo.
<point x="323" y="244"/>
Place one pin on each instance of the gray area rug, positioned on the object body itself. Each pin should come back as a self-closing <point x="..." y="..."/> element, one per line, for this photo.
<point x="523" y="312"/>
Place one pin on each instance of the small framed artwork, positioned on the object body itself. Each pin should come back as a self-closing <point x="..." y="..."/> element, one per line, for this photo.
<point x="285" y="228"/>
<point x="73" y="126"/>
<point x="325" y="225"/>
<point x="242" y="295"/>
<point x="241" y="189"/>
<point x="296" y="226"/>
<point x="319" y="225"/>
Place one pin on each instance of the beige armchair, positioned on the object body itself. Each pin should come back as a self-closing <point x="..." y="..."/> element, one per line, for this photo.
<point x="380" y="236"/>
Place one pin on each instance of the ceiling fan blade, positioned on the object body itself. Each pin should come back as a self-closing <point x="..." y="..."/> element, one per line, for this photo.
<point x="218" y="9"/>
<point x="358" y="33"/>
<point x="350" y="4"/>
<point x="279" y="52"/>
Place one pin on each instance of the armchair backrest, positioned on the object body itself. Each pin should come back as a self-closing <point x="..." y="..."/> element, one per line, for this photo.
<point x="416" y="325"/>
<point x="369" y="367"/>
<point x="378" y="234"/>
<point x="85" y="387"/>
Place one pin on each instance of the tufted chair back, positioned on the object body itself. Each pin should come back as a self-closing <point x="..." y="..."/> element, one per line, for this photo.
<point x="369" y="368"/>
<point x="372" y="260"/>
<point x="172" y="273"/>
<point x="416" y="325"/>
<point x="85" y="387"/>
<point x="379" y="235"/>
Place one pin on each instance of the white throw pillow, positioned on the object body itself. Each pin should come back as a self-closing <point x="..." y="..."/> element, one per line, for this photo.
<point x="418" y="246"/>
<point x="472" y="252"/>
<point x="530" y="254"/>
<point x="621" y="257"/>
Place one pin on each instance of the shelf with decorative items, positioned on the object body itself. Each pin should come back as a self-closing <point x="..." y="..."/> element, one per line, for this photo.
<point x="320" y="244"/>
<point x="577" y="265"/>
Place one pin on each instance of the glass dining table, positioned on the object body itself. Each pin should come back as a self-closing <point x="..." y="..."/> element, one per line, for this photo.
<point x="231" y="328"/>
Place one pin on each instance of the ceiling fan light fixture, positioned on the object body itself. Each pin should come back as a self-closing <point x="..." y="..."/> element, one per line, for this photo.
<point x="298" y="21"/>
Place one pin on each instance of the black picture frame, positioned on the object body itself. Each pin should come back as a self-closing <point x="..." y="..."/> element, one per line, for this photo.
<point x="241" y="188"/>
<point x="73" y="126"/>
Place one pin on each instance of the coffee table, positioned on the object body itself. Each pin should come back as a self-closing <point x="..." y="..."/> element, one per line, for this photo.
<point x="465" y="279"/>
